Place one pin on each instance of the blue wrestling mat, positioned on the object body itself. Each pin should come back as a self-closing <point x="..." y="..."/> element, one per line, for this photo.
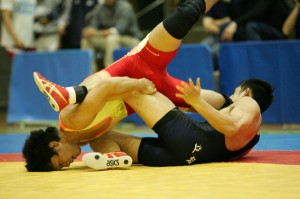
<point x="13" y="142"/>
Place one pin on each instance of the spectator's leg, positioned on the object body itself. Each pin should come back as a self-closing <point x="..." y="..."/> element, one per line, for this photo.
<point x="47" y="43"/>
<point x="96" y="43"/>
<point x="256" y="31"/>
<point x="112" y="43"/>
<point x="128" y="41"/>
<point x="240" y="34"/>
<point x="253" y="31"/>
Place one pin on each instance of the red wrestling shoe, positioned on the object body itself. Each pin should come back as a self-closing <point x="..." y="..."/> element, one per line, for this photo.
<point x="101" y="161"/>
<point x="57" y="96"/>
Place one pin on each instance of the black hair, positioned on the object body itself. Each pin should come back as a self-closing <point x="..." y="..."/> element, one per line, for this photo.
<point x="36" y="150"/>
<point x="262" y="92"/>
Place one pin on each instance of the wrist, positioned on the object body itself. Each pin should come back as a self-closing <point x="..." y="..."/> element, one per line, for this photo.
<point x="142" y="84"/>
<point x="197" y="103"/>
<point x="16" y="40"/>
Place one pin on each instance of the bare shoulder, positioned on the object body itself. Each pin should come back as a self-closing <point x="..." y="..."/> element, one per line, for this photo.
<point x="249" y="101"/>
<point x="248" y="104"/>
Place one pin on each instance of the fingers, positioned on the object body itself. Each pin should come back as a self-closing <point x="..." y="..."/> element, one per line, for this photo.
<point x="189" y="92"/>
<point x="148" y="87"/>
<point x="198" y="85"/>
<point x="184" y="84"/>
<point x="179" y="95"/>
<point x="191" y="82"/>
<point x="181" y="90"/>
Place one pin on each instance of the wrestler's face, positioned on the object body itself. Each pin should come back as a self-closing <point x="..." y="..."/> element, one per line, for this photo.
<point x="66" y="154"/>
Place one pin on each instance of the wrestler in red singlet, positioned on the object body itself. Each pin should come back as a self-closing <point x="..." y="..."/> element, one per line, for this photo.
<point x="144" y="61"/>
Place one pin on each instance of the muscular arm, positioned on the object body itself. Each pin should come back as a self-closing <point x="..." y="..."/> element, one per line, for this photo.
<point x="214" y="99"/>
<point x="228" y="121"/>
<point x="231" y="120"/>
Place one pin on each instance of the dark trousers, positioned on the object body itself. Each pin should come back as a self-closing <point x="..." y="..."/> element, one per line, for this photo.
<point x="257" y="31"/>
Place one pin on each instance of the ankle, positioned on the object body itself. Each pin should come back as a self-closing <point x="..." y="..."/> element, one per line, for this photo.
<point x="72" y="95"/>
<point x="76" y="94"/>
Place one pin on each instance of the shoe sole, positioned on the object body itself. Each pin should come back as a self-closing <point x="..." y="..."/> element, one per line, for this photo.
<point x="41" y="87"/>
<point x="99" y="161"/>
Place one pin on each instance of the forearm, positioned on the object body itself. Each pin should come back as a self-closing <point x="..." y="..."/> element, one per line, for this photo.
<point x="221" y="21"/>
<point x="124" y="85"/>
<point x="290" y="22"/>
<point x="218" y="120"/>
<point x="209" y="4"/>
<point x="209" y="25"/>
<point x="216" y="100"/>
<point x="8" y="24"/>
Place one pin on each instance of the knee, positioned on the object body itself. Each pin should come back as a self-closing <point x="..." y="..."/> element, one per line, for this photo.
<point x="85" y="43"/>
<point x="112" y="39"/>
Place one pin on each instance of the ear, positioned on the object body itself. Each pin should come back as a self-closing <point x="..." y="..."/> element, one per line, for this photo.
<point x="247" y="92"/>
<point x="53" y="144"/>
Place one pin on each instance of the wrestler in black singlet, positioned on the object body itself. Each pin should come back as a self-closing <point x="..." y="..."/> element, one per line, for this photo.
<point x="183" y="141"/>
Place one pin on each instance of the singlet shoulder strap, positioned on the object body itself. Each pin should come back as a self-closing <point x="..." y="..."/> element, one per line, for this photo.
<point x="228" y="101"/>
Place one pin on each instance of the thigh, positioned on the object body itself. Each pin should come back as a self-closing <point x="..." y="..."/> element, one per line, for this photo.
<point x="97" y="42"/>
<point x="152" y="153"/>
<point x="143" y="60"/>
<point x="179" y="142"/>
<point x="151" y="108"/>
<point x="270" y="33"/>
<point x="161" y="40"/>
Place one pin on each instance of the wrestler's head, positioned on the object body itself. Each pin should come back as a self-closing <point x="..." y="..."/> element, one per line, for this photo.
<point x="47" y="150"/>
<point x="261" y="91"/>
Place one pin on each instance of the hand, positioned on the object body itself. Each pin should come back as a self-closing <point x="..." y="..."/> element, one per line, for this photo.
<point x="105" y="32"/>
<point x="43" y="20"/>
<point x="229" y="32"/>
<point x="61" y="30"/>
<point x="89" y="32"/>
<point x="148" y="87"/>
<point x="19" y="44"/>
<point x="222" y="21"/>
<point x="189" y="92"/>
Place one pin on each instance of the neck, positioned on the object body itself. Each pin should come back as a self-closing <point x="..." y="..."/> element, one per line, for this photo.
<point x="70" y="137"/>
